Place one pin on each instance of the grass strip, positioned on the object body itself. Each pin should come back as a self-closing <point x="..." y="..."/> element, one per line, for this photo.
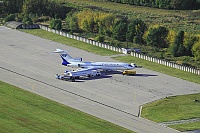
<point x="70" y="42"/>
<point x="22" y="111"/>
<point x="173" y="109"/>
<point x="187" y="127"/>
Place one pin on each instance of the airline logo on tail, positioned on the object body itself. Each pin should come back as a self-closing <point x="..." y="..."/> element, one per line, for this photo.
<point x="67" y="58"/>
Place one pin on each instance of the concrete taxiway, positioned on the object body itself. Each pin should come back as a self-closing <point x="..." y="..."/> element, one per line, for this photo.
<point x="26" y="61"/>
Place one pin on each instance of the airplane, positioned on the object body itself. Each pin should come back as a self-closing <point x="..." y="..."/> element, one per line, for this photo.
<point x="105" y="66"/>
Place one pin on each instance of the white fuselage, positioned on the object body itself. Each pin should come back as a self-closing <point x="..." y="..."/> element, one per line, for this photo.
<point x="105" y="66"/>
<point x="102" y="65"/>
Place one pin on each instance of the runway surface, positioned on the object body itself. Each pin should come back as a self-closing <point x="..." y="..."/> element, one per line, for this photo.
<point x="26" y="61"/>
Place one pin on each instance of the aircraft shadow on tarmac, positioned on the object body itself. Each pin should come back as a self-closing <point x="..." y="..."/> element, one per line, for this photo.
<point x="119" y="72"/>
<point x="109" y="75"/>
<point x="111" y="72"/>
<point x="145" y="75"/>
<point x="93" y="78"/>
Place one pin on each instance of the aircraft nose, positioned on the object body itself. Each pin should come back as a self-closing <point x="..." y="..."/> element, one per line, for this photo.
<point x="133" y="65"/>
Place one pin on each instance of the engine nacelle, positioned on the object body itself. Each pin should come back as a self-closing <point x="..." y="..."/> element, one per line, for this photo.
<point x="76" y="59"/>
<point x="74" y="65"/>
<point x="70" y="65"/>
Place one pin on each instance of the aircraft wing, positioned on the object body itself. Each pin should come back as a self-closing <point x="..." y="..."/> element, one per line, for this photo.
<point x="89" y="68"/>
<point x="90" y="72"/>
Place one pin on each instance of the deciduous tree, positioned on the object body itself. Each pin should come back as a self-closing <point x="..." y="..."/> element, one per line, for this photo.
<point x="189" y="41"/>
<point x="176" y="48"/>
<point x="56" y="24"/>
<point x="120" y="29"/>
<point x="11" y="6"/>
<point x="157" y="37"/>
<point x="196" y="50"/>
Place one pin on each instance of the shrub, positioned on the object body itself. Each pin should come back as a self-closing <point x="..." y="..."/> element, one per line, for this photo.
<point x="10" y="17"/>
<point x="56" y="24"/>
<point x="100" y="38"/>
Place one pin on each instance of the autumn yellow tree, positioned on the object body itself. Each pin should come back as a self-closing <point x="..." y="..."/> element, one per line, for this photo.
<point x="96" y="22"/>
<point x="196" y="50"/>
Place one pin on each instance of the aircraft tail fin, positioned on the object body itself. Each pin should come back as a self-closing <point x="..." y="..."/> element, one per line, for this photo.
<point x="66" y="57"/>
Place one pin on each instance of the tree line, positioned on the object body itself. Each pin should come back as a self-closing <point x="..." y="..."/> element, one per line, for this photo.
<point x="35" y="7"/>
<point x="164" y="4"/>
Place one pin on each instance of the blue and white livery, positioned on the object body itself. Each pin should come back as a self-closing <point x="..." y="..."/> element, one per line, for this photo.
<point x="105" y="66"/>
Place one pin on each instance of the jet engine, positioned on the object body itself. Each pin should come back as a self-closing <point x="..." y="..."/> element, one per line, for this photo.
<point x="74" y="65"/>
<point x="76" y="59"/>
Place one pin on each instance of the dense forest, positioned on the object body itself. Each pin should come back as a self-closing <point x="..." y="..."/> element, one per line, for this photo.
<point x="34" y="7"/>
<point x="116" y="29"/>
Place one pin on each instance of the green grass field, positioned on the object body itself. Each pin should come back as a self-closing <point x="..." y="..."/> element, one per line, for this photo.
<point x="22" y="112"/>
<point x="70" y="42"/>
<point x="175" y="108"/>
<point x="187" y="127"/>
